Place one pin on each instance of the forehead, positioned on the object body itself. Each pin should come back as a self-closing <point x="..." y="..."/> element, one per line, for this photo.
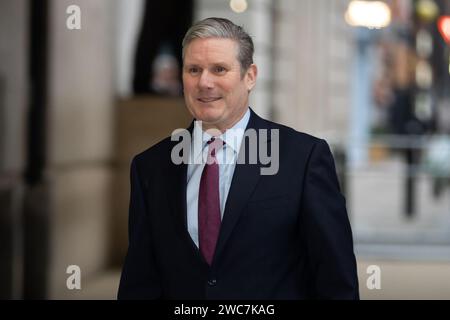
<point x="211" y="50"/>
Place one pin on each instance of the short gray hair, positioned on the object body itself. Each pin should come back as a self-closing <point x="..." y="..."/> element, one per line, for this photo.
<point x="223" y="28"/>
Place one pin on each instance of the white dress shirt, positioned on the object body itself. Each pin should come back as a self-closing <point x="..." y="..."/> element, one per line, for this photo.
<point x="226" y="157"/>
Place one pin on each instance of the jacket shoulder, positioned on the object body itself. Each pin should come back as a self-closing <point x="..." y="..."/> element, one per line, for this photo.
<point x="292" y="136"/>
<point x="154" y="154"/>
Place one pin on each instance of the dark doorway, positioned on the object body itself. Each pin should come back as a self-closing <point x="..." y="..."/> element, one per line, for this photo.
<point x="35" y="216"/>
<point x="163" y="28"/>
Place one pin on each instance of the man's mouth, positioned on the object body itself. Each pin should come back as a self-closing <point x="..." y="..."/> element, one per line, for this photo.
<point x="208" y="99"/>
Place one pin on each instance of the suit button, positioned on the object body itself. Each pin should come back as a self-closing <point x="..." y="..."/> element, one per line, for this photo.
<point x="212" y="282"/>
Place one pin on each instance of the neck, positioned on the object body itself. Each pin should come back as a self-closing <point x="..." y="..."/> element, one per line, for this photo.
<point x="218" y="129"/>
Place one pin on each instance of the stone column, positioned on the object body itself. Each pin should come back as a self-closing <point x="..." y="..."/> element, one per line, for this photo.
<point x="80" y="139"/>
<point x="13" y="105"/>
<point x="313" y="66"/>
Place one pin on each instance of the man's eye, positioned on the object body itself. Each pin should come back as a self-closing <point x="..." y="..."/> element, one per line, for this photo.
<point x="194" y="70"/>
<point x="219" y="69"/>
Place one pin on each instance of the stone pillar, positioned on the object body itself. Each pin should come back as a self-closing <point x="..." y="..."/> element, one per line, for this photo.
<point x="129" y="14"/>
<point x="13" y="104"/>
<point x="313" y="67"/>
<point x="13" y="83"/>
<point x="80" y="139"/>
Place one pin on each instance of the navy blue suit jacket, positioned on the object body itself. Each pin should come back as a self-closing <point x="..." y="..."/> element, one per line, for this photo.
<point x="283" y="236"/>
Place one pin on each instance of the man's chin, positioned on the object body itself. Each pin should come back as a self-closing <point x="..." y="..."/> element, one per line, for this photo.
<point x="208" y="122"/>
<point x="208" y="115"/>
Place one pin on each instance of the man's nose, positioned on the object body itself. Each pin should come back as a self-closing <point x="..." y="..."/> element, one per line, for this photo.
<point x="206" y="80"/>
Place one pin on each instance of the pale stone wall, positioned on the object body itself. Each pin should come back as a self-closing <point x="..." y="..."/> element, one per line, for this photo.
<point x="313" y="66"/>
<point x="80" y="138"/>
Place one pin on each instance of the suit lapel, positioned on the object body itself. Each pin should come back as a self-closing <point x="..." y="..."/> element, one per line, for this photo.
<point x="244" y="181"/>
<point x="245" y="178"/>
<point x="177" y="193"/>
<point x="177" y="185"/>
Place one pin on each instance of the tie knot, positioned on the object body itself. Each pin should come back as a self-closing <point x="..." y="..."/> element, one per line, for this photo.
<point x="215" y="140"/>
<point x="214" y="145"/>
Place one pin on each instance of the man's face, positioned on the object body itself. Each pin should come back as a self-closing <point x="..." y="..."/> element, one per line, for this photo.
<point x="214" y="90"/>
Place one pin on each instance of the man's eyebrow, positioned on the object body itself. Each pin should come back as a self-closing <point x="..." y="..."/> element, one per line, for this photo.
<point x="191" y="65"/>
<point x="222" y="63"/>
<point x="194" y="64"/>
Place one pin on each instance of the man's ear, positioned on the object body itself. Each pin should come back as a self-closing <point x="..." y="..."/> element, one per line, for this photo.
<point x="250" y="77"/>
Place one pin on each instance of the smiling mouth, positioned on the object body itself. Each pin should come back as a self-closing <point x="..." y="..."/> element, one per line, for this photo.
<point x="208" y="100"/>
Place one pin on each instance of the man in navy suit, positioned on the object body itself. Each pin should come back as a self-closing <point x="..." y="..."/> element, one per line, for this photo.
<point x="215" y="225"/>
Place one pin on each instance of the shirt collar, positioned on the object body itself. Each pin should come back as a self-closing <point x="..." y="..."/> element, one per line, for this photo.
<point x="232" y="136"/>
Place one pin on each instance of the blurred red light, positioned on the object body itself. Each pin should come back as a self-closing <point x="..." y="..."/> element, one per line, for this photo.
<point x="444" y="27"/>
